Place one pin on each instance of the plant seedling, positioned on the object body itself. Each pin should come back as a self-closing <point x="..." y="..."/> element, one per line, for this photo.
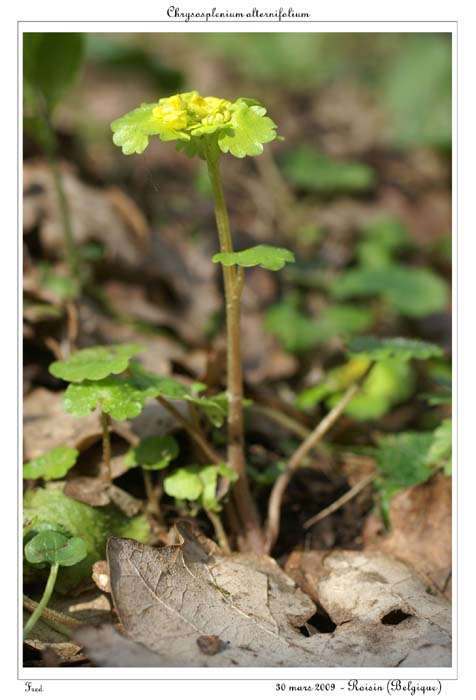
<point x="52" y="548"/>
<point x="54" y="464"/>
<point x="209" y="127"/>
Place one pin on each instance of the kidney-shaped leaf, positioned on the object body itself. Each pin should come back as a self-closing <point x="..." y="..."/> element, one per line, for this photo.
<point x="94" y="363"/>
<point x="269" y="257"/>
<point x="398" y="348"/>
<point x="52" y="465"/>
<point x="54" y="548"/>
<point x="155" y="452"/>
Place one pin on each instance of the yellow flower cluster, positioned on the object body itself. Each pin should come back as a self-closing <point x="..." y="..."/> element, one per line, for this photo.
<point x="190" y="110"/>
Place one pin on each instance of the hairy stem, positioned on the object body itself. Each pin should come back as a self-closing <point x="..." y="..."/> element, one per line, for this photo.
<point x="50" y="584"/>
<point x="106" y="445"/>
<point x="233" y="283"/>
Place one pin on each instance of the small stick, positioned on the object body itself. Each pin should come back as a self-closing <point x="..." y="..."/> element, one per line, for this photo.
<point x="58" y="621"/>
<point x="72" y="324"/>
<point x="281" y="483"/>
<point x="150" y="491"/>
<point x="194" y="433"/>
<point x="282" y="419"/>
<point x="339" y="502"/>
<point x="219" y="531"/>
<point x="106" y="444"/>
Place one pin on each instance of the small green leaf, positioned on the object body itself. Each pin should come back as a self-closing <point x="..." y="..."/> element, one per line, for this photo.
<point x="383" y="238"/>
<point x="402" y="458"/>
<point x="54" y="548"/>
<point x="299" y="333"/>
<point x="94" y="363"/>
<point x="154" y="452"/>
<point x="314" y="172"/>
<point x="250" y="129"/>
<point x="184" y="484"/>
<point x="54" y="464"/>
<point x="400" y="348"/>
<point x="267" y="256"/>
<point x="118" y="396"/>
<point x="412" y="291"/>
<point x="209" y="478"/>
<point x="152" y="385"/>
<point x="389" y="383"/>
<point x="64" y="286"/>
<point x="132" y="131"/>
<point x="439" y="452"/>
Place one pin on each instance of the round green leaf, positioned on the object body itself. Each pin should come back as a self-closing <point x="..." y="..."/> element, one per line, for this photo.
<point x="118" y="396"/>
<point x="54" y="548"/>
<point x="94" y="363"/>
<point x="54" y="464"/>
<point x="268" y="257"/>
<point x="184" y="484"/>
<point x="400" y="348"/>
<point x="154" y="452"/>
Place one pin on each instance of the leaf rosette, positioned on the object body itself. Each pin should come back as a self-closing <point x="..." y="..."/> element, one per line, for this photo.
<point x="240" y="128"/>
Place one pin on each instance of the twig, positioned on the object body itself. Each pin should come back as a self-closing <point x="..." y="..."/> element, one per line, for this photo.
<point x="339" y="502"/>
<point x="219" y="531"/>
<point x="282" y="419"/>
<point x="58" y="621"/>
<point x="194" y="433"/>
<point x="72" y="324"/>
<point x="152" y="500"/>
<point x="281" y="483"/>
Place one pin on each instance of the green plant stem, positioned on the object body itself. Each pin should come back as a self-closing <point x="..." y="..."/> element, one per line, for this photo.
<point x="106" y="444"/>
<point x="50" y="584"/>
<point x="233" y="283"/>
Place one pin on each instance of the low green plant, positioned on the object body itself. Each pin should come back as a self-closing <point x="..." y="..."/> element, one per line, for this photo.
<point x="55" y="549"/>
<point x="209" y="127"/>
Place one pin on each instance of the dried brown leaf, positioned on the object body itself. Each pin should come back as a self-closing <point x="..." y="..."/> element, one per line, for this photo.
<point x="421" y="531"/>
<point x="95" y="217"/>
<point x="169" y="598"/>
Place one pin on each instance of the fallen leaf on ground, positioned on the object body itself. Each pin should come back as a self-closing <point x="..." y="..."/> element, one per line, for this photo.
<point x="421" y="530"/>
<point x="95" y="218"/>
<point x="170" y="598"/>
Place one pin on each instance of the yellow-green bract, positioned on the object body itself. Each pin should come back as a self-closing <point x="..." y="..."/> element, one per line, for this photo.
<point x="240" y="128"/>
